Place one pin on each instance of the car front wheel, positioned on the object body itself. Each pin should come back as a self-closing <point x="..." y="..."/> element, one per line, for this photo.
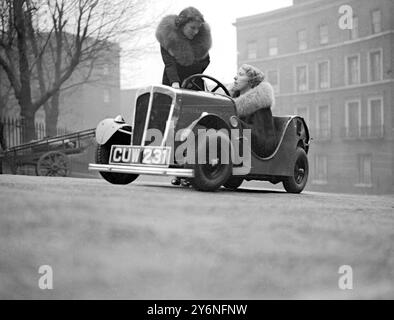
<point x="217" y="168"/>
<point x="102" y="157"/>
<point x="297" y="182"/>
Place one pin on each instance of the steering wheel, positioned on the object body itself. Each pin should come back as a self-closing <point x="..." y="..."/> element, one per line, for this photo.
<point x="191" y="81"/>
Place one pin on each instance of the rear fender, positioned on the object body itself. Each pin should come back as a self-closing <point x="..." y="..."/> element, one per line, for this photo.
<point x="108" y="127"/>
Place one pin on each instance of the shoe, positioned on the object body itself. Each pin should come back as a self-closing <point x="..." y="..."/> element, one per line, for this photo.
<point x="176" y="182"/>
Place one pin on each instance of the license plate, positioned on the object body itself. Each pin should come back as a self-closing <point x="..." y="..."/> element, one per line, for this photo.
<point x="155" y="156"/>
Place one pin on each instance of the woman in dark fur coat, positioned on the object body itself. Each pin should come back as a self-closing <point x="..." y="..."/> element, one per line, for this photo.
<point x="254" y="99"/>
<point x="185" y="41"/>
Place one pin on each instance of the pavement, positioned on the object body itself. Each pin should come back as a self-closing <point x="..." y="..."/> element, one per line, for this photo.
<point x="151" y="240"/>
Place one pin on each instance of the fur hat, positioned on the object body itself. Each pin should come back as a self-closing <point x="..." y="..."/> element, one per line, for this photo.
<point x="170" y="35"/>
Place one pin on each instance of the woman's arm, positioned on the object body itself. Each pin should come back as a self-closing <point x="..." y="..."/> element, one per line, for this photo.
<point x="169" y="66"/>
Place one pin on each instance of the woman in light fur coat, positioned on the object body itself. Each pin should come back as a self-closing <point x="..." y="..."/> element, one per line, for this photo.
<point x="254" y="99"/>
<point x="185" y="40"/>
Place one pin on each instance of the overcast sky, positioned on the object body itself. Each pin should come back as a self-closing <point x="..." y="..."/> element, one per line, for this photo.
<point x="220" y="14"/>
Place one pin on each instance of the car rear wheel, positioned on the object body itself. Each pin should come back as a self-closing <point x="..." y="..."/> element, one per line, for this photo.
<point x="297" y="182"/>
<point x="233" y="183"/>
<point x="216" y="170"/>
<point x="102" y="157"/>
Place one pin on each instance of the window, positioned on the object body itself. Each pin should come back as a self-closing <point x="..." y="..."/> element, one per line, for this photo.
<point x="106" y="96"/>
<point x="375" y="65"/>
<point x="301" y="78"/>
<point x="273" y="46"/>
<point x="376" y="21"/>
<point x="320" y="174"/>
<point x="323" y="122"/>
<point x="353" y="70"/>
<point x="273" y="79"/>
<point x="302" y="43"/>
<point x="365" y="169"/>
<point x="323" y="75"/>
<point x="353" y="119"/>
<point x="354" y="30"/>
<point x="323" y="31"/>
<point x="375" y="117"/>
<point x="252" y="50"/>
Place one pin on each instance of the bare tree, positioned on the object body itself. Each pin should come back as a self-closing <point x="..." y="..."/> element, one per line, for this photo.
<point x="44" y="42"/>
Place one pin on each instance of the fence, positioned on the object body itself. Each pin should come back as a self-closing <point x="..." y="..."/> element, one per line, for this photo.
<point x="13" y="129"/>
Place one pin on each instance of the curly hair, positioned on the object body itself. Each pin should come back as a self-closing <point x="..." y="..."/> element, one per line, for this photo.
<point x="255" y="75"/>
<point x="187" y="15"/>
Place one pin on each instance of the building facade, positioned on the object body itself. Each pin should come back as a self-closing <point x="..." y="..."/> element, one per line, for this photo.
<point x="91" y="94"/>
<point x="332" y="63"/>
<point x="84" y="105"/>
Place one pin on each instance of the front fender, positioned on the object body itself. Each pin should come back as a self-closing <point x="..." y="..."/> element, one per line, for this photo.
<point x="107" y="128"/>
<point x="208" y="120"/>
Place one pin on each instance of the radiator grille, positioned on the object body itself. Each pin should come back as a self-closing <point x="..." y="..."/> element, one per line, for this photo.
<point x="141" y="110"/>
<point x="161" y="108"/>
<point x="158" y="117"/>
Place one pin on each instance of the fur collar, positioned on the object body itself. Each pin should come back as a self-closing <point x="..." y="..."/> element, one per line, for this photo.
<point x="257" y="98"/>
<point x="185" y="51"/>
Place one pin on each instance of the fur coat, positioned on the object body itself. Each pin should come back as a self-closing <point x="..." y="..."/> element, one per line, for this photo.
<point x="185" y="51"/>
<point x="254" y="109"/>
<point x="260" y="97"/>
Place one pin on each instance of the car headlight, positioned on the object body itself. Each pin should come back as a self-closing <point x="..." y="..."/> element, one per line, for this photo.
<point x="234" y="122"/>
<point x="119" y="119"/>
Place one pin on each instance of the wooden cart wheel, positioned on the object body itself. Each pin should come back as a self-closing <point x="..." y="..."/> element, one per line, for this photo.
<point x="54" y="164"/>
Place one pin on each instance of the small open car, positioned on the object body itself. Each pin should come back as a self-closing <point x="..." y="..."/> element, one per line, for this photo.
<point x="164" y="138"/>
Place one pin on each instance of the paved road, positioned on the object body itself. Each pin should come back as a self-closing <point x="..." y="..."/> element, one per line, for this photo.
<point x="149" y="240"/>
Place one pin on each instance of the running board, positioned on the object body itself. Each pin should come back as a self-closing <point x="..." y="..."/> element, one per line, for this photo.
<point x="183" y="173"/>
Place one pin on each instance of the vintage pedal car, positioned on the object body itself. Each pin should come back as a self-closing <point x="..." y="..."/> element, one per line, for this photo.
<point x="165" y="139"/>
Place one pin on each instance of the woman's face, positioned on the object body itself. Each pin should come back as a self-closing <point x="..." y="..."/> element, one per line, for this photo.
<point x="191" y="29"/>
<point x="241" y="81"/>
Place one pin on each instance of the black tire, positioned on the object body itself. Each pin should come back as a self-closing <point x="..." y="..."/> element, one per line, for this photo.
<point x="233" y="183"/>
<point x="297" y="182"/>
<point x="209" y="177"/>
<point x="102" y="157"/>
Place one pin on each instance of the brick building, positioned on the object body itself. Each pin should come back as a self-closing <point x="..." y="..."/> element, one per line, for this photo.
<point x="340" y="80"/>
